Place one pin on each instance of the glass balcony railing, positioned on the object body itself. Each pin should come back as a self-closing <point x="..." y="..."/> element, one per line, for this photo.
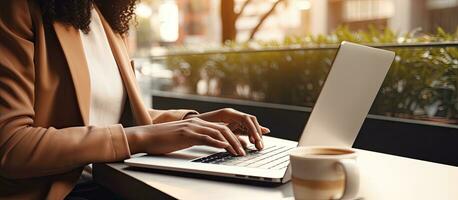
<point x="421" y="85"/>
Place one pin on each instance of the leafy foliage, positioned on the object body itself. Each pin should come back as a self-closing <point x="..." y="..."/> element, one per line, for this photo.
<point x="422" y="82"/>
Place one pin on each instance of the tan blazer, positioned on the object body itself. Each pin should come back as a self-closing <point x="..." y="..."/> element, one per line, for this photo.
<point x="44" y="106"/>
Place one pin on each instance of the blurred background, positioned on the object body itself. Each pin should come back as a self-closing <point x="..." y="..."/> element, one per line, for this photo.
<point x="279" y="51"/>
<point x="208" y="23"/>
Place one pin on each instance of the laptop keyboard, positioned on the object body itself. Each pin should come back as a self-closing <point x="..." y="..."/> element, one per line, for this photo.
<point x="271" y="157"/>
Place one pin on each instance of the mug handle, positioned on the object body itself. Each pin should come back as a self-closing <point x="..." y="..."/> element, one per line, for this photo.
<point x="351" y="171"/>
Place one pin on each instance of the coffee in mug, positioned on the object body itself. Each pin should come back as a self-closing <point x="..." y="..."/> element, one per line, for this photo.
<point x="324" y="173"/>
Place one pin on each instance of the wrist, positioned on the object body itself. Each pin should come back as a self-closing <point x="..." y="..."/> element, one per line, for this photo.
<point x="134" y="135"/>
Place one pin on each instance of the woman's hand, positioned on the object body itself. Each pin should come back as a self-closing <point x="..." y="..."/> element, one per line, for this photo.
<point x="238" y="122"/>
<point x="168" y="137"/>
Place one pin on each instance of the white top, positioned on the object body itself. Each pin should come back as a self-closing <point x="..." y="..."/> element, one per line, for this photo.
<point x="107" y="90"/>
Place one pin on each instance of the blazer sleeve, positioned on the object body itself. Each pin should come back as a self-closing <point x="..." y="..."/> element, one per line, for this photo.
<point x="162" y="116"/>
<point x="28" y="151"/>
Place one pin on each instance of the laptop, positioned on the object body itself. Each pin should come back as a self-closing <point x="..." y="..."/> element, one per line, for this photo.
<point x="350" y="88"/>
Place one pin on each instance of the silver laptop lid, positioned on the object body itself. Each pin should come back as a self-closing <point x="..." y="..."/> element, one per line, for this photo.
<point x="352" y="84"/>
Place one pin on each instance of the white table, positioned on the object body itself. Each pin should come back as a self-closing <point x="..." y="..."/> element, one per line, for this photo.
<point x="382" y="177"/>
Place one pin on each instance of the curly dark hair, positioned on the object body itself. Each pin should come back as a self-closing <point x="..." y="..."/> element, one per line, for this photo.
<point x="77" y="13"/>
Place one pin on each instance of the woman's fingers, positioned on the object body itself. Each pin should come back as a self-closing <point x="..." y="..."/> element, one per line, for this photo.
<point x="230" y="136"/>
<point x="253" y="132"/>
<point x="265" y="130"/>
<point x="258" y="128"/>
<point x="239" y="122"/>
<point x="201" y="139"/>
<point x="242" y="141"/>
<point x="216" y="134"/>
<point x="251" y="139"/>
<point x="257" y="125"/>
<point x="225" y="133"/>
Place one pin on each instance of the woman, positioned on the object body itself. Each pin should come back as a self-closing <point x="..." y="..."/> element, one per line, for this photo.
<point x="68" y="98"/>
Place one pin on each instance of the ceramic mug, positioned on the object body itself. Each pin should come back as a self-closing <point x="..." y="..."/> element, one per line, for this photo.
<point x="320" y="172"/>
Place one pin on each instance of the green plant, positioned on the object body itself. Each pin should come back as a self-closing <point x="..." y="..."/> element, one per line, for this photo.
<point x="422" y="82"/>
